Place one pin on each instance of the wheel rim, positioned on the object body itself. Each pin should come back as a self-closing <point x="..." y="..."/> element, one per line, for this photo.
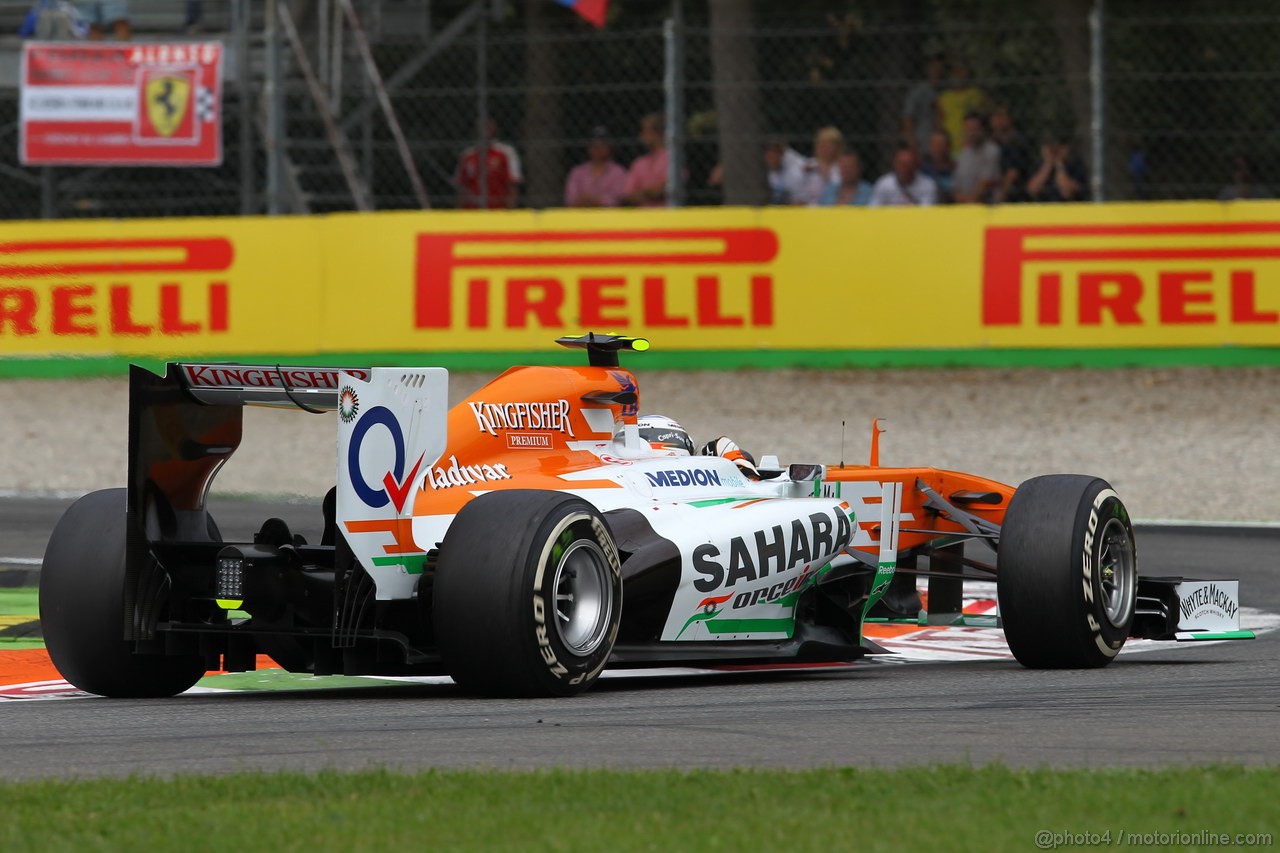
<point x="584" y="597"/>
<point x="1117" y="572"/>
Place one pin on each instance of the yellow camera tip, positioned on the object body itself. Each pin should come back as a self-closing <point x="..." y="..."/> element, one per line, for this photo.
<point x="640" y="344"/>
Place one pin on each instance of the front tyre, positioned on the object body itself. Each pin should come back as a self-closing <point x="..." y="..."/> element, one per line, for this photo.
<point x="527" y="594"/>
<point x="82" y="594"/>
<point x="1067" y="573"/>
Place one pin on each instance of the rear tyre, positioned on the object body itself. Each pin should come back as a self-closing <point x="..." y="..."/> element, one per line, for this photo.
<point x="82" y="586"/>
<point x="1067" y="573"/>
<point x="527" y="595"/>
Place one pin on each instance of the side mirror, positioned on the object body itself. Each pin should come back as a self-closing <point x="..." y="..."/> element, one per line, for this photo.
<point x="800" y="472"/>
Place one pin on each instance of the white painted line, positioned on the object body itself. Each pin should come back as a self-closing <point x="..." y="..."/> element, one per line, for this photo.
<point x="1179" y="522"/>
<point x="43" y="494"/>
<point x="20" y="561"/>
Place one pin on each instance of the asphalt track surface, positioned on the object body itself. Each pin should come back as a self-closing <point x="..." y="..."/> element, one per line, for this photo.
<point x="1202" y="704"/>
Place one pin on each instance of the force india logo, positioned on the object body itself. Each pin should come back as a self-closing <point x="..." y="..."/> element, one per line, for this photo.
<point x="491" y="417"/>
<point x="348" y="404"/>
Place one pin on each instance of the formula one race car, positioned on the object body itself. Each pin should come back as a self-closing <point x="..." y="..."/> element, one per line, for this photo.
<point x="529" y="537"/>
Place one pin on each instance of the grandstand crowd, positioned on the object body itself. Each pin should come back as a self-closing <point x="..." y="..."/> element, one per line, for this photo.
<point x="956" y="147"/>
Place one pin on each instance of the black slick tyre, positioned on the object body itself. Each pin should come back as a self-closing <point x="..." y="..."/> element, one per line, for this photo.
<point x="527" y="596"/>
<point x="82" y="593"/>
<point x="1067" y="573"/>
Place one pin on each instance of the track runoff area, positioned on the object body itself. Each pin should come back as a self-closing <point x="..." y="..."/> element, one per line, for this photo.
<point x="26" y="672"/>
<point x="27" y="675"/>
<point x="1160" y="749"/>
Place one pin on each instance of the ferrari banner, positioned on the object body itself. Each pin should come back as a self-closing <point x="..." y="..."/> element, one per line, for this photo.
<point x="139" y="104"/>
<point x="773" y="285"/>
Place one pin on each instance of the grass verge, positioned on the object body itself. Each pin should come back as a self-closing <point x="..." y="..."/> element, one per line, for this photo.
<point x="954" y="807"/>
<point x="19" y="601"/>
<point x="55" y="367"/>
<point x="18" y="609"/>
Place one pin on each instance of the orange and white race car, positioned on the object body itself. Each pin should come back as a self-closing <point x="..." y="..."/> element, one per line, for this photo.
<point x="531" y="536"/>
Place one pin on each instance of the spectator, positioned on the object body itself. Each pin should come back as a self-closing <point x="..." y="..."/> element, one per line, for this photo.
<point x="599" y="182"/>
<point x="1062" y="175"/>
<point x="503" y="172"/>
<point x="851" y="189"/>
<point x="195" y="14"/>
<point x="1015" y="157"/>
<point x="1243" y="184"/>
<point x="101" y="14"/>
<point x="978" y="166"/>
<point x="822" y="170"/>
<point x="785" y="172"/>
<point x="53" y="20"/>
<point x="1138" y="171"/>
<point x="960" y="98"/>
<point x="920" y="109"/>
<point x="938" y="165"/>
<point x="904" y="185"/>
<point x="647" y="179"/>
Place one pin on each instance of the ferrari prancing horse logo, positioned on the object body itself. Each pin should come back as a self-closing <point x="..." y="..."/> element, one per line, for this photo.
<point x="168" y="98"/>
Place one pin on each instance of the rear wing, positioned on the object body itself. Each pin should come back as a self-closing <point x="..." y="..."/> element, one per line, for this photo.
<point x="185" y="424"/>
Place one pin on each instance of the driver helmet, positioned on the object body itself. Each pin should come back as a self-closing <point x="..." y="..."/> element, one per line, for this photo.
<point x="663" y="433"/>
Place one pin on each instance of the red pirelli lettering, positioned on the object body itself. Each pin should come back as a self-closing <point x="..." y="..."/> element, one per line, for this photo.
<point x="70" y="311"/>
<point x="122" y="322"/>
<point x="539" y="298"/>
<point x="30" y="259"/>
<point x="1185" y="293"/>
<point x="1243" y="309"/>
<point x="1177" y="298"/>
<point x="655" y="305"/>
<point x="110" y="306"/>
<point x="441" y="255"/>
<point x="598" y="303"/>
<point x="17" y="311"/>
<point x="1116" y="293"/>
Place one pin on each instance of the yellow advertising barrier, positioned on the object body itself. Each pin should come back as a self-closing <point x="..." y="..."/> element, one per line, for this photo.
<point x="160" y="287"/>
<point x="1019" y="277"/>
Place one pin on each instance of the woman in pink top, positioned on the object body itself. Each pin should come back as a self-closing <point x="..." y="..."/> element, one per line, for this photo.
<point x="647" y="180"/>
<point x="599" y="182"/>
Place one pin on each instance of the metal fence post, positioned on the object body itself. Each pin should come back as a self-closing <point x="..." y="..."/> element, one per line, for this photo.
<point x="48" y="194"/>
<point x="244" y="81"/>
<point x="1097" y="90"/>
<point x="673" y="90"/>
<point x="482" y="109"/>
<point x="274" y="142"/>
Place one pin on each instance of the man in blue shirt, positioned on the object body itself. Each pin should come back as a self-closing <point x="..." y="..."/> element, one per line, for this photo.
<point x="852" y="189"/>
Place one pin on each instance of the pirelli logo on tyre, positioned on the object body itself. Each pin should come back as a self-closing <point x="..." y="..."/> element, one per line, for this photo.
<point x="1173" y="277"/>
<point x="77" y="290"/>
<point x="652" y="279"/>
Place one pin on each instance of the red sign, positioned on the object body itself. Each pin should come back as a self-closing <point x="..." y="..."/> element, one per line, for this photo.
<point x="124" y="105"/>
<point x="1196" y="261"/>
<point x="595" y="296"/>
